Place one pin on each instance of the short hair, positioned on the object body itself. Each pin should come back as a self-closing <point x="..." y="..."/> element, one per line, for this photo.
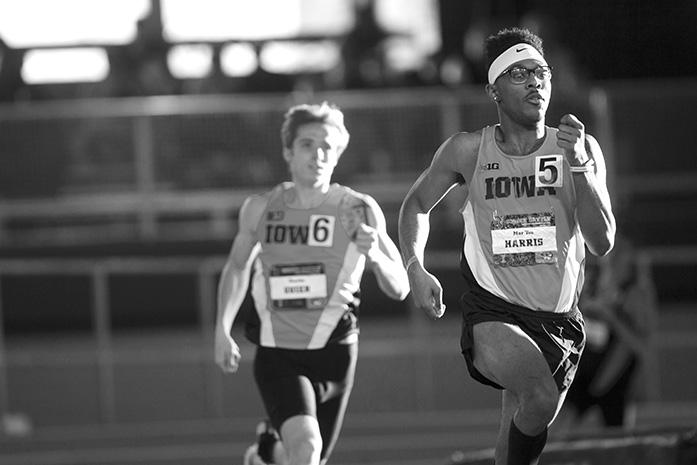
<point x="498" y="43"/>
<point x="299" y="115"/>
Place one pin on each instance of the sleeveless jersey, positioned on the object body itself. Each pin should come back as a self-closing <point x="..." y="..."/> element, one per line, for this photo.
<point x="522" y="241"/>
<point x="307" y="275"/>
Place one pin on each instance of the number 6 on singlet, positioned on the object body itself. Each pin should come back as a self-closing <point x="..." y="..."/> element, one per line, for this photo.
<point x="549" y="171"/>
<point x="321" y="231"/>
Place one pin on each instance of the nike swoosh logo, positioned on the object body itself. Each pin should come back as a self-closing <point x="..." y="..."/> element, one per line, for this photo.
<point x="518" y="50"/>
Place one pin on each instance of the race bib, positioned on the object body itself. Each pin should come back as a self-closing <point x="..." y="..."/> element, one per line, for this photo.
<point x="549" y="171"/>
<point x="321" y="230"/>
<point x="298" y="286"/>
<point x="524" y="239"/>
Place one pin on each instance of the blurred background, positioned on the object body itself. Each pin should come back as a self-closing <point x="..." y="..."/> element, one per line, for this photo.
<point x="131" y="131"/>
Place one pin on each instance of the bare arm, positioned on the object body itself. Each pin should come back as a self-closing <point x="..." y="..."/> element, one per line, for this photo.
<point x="382" y="253"/>
<point x="594" y="210"/>
<point x="452" y="160"/>
<point x="234" y="281"/>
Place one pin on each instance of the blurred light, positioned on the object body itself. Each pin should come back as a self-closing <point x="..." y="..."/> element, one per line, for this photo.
<point x="30" y="23"/>
<point x="238" y="60"/>
<point x="401" y="55"/>
<point x="419" y="22"/>
<point x="190" y="61"/>
<point x="326" y="17"/>
<point x="44" y="66"/>
<point x="213" y="20"/>
<point x="299" y="57"/>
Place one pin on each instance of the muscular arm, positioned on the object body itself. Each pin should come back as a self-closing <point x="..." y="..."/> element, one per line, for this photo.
<point x="384" y="259"/>
<point x="453" y="159"/>
<point x="594" y="210"/>
<point x="234" y="281"/>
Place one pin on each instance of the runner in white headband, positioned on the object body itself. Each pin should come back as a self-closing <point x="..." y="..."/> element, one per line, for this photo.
<point x="537" y="202"/>
<point x="514" y="54"/>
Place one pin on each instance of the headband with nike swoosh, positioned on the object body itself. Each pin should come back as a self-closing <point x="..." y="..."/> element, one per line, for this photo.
<point x="514" y="54"/>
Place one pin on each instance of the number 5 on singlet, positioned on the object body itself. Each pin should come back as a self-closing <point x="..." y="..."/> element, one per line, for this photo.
<point x="549" y="171"/>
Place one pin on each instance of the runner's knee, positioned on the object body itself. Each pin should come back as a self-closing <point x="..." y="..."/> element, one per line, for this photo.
<point x="540" y="401"/>
<point x="305" y="450"/>
<point x="302" y="440"/>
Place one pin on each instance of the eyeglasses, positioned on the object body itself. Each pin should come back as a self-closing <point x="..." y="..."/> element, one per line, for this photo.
<point x="521" y="74"/>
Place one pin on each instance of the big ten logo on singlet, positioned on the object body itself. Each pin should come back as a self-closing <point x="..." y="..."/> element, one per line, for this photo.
<point x="319" y="232"/>
<point x="524" y="239"/>
<point x="298" y="286"/>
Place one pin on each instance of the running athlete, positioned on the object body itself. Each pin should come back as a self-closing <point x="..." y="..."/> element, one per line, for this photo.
<point x="536" y="195"/>
<point x="309" y="241"/>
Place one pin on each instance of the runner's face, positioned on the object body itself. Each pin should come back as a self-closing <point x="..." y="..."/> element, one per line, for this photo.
<point x="525" y="103"/>
<point x="314" y="153"/>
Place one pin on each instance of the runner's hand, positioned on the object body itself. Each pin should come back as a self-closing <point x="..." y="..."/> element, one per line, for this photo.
<point x="426" y="291"/>
<point x="367" y="240"/>
<point x="572" y="139"/>
<point x="227" y="353"/>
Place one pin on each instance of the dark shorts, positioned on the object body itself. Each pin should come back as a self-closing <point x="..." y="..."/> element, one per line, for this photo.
<point x="307" y="382"/>
<point x="560" y="336"/>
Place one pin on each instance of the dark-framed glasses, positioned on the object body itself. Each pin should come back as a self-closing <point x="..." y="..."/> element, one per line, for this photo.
<point x="521" y="74"/>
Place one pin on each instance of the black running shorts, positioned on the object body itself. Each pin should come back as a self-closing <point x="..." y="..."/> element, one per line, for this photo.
<point x="560" y="336"/>
<point x="307" y="382"/>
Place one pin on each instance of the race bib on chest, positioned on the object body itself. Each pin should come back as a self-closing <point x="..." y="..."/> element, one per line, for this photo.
<point x="298" y="286"/>
<point x="524" y="239"/>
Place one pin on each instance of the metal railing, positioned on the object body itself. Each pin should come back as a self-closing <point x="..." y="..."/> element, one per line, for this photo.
<point x="206" y="270"/>
<point x="128" y="162"/>
<point x="99" y="271"/>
